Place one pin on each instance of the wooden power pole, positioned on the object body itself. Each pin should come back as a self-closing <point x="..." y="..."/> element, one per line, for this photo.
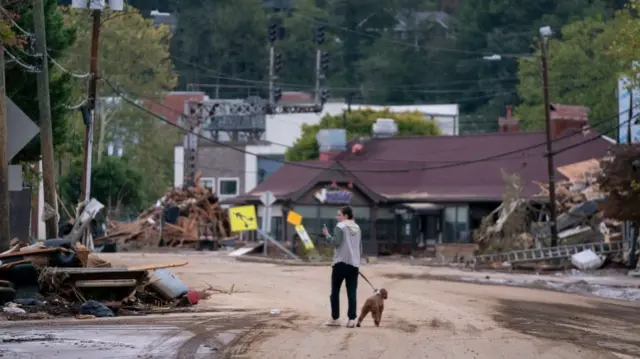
<point x="5" y="218"/>
<point x="46" y="129"/>
<point x="550" y="166"/>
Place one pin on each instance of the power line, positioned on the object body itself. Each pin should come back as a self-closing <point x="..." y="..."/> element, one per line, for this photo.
<point x="417" y="169"/>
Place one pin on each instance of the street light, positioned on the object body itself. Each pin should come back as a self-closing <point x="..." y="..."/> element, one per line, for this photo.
<point x="545" y="33"/>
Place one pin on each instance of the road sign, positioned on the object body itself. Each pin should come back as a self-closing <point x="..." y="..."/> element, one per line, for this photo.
<point x="304" y="236"/>
<point x="243" y="218"/>
<point x="20" y="127"/>
<point x="268" y="198"/>
<point x="294" y="218"/>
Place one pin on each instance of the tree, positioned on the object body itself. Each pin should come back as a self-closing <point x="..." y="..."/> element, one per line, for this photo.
<point x="226" y="39"/>
<point x="503" y="27"/>
<point x="582" y="71"/>
<point x="626" y="46"/>
<point x="115" y="182"/>
<point x="134" y="55"/>
<point x="358" y="123"/>
<point x="22" y="85"/>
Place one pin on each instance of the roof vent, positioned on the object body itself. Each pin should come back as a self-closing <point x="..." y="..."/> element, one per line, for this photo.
<point x="385" y="127"/>
<point x="332" y="140"/>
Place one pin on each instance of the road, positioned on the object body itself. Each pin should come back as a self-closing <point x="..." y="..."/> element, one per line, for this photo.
<point x="424" y="317"/>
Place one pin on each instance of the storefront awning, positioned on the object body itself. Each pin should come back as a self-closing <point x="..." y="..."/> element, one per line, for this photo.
<point x="423" y="207"/>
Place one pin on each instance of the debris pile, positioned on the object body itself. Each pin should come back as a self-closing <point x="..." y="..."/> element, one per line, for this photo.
<point x="180" y="218"/>
<point x="520" y="224"/>
<point x="60" y="278"/>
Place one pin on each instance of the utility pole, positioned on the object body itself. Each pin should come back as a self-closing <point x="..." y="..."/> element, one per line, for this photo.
<point x="93" y="85"/>
<point x="629" y="123"/>
<point x="46" y="130"/>
<point x="545" y="32"/>
<point x="344" y="113"/>
<point x="5" y="209"/>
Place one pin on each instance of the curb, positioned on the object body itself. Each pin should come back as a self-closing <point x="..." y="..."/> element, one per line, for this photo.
<point x="284" y="262"/>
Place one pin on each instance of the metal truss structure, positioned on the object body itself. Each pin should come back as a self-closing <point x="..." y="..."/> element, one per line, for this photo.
<point x="239" y="119"/>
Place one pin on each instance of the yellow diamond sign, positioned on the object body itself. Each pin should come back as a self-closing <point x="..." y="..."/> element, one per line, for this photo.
<point x="243" y="218"/>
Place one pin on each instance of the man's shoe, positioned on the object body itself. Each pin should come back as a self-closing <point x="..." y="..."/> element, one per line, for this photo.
<point x="351" y="324"/>
<point x="333" y="323"/>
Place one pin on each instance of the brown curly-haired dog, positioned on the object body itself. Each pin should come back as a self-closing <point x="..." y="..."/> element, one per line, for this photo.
<point x="375" y="305"/>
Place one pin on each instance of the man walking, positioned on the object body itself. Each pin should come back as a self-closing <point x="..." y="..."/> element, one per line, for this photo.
<point x="347" y="242"/>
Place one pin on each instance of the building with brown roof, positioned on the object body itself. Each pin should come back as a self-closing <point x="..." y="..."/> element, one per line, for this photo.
<point x="408" y="191"/>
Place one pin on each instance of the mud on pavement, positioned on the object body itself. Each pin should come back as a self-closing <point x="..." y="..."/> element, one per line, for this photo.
<point x="613" y="327"/>
<point x="162" y="337"/>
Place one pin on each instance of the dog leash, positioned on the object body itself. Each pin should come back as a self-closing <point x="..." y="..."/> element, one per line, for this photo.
<point x="366" y="280"/>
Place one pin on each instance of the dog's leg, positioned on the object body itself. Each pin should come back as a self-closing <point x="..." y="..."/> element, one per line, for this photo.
<point x="374" y="314"/>
<point x="379" y="316"/>
<point x="363" y="313"/>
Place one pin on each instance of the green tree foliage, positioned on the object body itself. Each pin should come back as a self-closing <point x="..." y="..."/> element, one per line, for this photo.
<point x="22" y="85"/>
<point x="504" y="27"/>
<point x="358" y="123"/>
<point x="582" y="71"/>
<point x="626" y="45"/>
<point x="225" y="39"/>
<point x="115" y="182"/>
<point x="133" y="52"/>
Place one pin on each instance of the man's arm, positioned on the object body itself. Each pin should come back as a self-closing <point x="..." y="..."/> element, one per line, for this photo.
<point x="335" y="239"/>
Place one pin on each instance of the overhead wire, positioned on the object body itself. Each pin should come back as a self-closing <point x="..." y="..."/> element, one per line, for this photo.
<point x="407" y="170"/>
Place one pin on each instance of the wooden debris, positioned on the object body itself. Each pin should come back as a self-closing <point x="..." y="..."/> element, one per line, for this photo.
<point x="145" y="267"/>
<point x="197" y="206"/>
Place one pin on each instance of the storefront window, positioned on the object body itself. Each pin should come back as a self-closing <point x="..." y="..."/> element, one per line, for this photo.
<point x="385" y="225"/>
<point x="456" y="223"/>
<point x="277" y="230"/>
<point x="310" y="219"/>
<point x="363" y="218"/>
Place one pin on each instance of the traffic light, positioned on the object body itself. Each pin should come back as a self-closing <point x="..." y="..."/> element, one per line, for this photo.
<point x="277" y="62"/>
<point x="324" y="97"/>
<point x="324" y="61"/>
<point x="277" y="94"/>
<point x="273" y="31"/>
<point x="320" y="34"/>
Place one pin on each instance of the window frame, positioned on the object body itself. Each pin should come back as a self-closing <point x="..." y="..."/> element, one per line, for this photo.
<point x="213" y="183"/>
<point x="221" y="179"/>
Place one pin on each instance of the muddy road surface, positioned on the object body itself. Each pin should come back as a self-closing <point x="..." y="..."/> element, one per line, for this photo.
<point x="423" y="318"/>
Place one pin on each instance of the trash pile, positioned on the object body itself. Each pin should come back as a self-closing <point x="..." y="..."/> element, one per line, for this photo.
<point x="62" y="277"/>
<point x="180" y="218"/>
<point x="57" y="278"/>
<point x="520" y="223"/>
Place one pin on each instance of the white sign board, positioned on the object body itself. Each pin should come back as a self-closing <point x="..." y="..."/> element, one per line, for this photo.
<point x="116" y="5"/>
<point x="268" y="198"/>
<point x="304" y="236"/>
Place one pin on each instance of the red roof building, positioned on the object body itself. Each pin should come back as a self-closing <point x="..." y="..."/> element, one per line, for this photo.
<point x="436" y="188"/>
<point x="172" y="106"/>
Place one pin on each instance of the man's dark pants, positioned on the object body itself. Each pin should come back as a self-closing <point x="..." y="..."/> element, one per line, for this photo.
<point x="349" y="274"/>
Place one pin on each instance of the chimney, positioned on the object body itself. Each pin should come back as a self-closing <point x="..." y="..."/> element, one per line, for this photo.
<point x="384" y="127"/>
<point x="508" y="124"/>
<point x="332" y="143"/>
<point x="568" y="118"/>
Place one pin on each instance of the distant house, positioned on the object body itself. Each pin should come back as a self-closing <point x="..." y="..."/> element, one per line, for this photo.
<point x="164" y="18"/>
<point x="411" y="23"/>
<point x="441" y="189"/>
